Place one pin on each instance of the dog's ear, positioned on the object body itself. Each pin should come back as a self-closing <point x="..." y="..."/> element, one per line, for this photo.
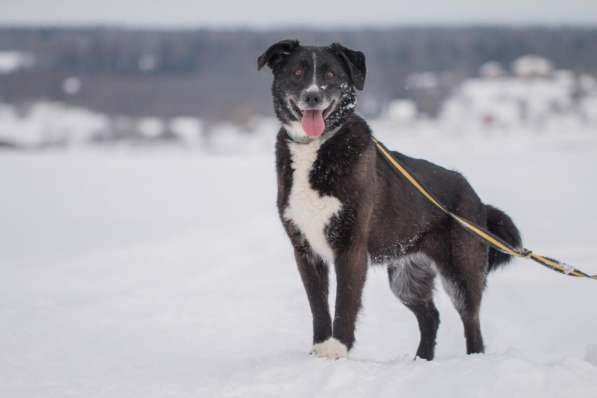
<point x="276" y="53"/>
<point x="354" y="61"/>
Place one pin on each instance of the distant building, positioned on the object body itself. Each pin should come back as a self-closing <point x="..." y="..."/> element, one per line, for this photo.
<point x="491" y="70"/>
<point x="532" y="66"/>
<point x="535" y="96"/>
<point x="402" y="111"/>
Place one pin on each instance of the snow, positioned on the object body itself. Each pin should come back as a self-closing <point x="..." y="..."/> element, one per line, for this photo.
<point x="71" y="85"/>
<point x="534" y="97"/>
<point x="491" y="69"/>
<point x="167" y="273"/>
<point x="188" y="129"/>
<point x="48" y="123"/>
<point x="12" y="61"/>
<point x="511" y="102"/>
<point x="150" y="127"/>
<point x="402" y="111"/>
<point x="43" y="124"/>
<point x="592" y="354"/>
<point x="589" y="108"/>
<point x="531" y="65"/>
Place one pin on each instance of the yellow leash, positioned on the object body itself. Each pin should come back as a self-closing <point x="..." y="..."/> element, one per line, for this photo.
<point x="482" y="233"/>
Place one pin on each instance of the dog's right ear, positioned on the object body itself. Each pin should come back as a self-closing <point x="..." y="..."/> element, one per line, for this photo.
<point x="276" y="53"/>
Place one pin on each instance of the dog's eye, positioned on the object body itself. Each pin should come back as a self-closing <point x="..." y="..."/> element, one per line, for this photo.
<point x="330" y="74"/>
<point x="298" y="73"/>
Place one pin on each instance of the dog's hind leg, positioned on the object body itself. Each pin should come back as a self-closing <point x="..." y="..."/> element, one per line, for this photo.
<point x="411" y="280"/>
<point x="464" y="282"/>
<point x="314" y="274"/>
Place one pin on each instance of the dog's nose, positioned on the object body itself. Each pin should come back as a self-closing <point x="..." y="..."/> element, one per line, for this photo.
<point x="312" y="99"/>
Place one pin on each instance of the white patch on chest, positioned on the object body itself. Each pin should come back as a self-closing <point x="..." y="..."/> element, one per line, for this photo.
<point x="295" y="131"/>
<point x="309" y="211"/>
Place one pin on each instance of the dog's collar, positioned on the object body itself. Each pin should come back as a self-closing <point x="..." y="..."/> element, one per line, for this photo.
<point x="327" y="135"/>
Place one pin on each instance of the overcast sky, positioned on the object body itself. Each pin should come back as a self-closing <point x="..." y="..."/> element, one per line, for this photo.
<point x="280" y="13"/>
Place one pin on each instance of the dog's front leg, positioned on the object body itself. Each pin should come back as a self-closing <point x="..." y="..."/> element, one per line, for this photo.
<point x="351" y="272"/>
<point x="314" y="274"/>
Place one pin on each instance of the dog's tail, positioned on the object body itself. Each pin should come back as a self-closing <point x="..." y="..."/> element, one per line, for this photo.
<point x="500" y="224"/>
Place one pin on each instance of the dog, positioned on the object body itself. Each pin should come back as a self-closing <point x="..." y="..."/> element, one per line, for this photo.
<point x="342" y="206"/>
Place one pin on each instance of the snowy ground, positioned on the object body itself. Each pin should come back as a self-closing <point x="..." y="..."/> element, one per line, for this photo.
<point x="166" y="273"/>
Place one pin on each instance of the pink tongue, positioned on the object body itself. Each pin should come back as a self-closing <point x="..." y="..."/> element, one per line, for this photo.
<point x="313" y="123"/>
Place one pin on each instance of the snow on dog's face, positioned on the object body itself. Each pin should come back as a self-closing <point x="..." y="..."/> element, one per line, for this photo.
<point x="314" y="88"/>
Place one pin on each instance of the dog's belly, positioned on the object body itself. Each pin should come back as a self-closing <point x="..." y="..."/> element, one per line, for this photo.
<point x="307" y="209"/>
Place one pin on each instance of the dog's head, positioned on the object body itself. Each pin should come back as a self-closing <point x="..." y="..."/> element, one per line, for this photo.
<point x="314" y="88"/>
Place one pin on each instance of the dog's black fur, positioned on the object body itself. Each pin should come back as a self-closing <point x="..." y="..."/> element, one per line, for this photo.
<point x="380" y="218"/>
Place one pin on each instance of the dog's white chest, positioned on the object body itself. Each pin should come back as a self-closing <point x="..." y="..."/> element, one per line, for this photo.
<point x="309" y="211"/>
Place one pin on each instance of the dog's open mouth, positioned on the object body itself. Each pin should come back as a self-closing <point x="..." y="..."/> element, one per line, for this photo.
<point x="313" y="120"/>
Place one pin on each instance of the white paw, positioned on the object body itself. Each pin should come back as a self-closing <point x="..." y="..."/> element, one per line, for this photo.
<point x="330" y="349"/>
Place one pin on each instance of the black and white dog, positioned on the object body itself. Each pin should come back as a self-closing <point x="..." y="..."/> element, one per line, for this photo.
<point x="341" y="205"/>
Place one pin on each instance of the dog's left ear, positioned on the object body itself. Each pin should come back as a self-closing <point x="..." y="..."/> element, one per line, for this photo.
<point x="276" y="53"/>
<point x="354" y="62"/>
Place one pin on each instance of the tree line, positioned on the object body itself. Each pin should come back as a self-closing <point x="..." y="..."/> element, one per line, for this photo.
<point x="212" y="73"/>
